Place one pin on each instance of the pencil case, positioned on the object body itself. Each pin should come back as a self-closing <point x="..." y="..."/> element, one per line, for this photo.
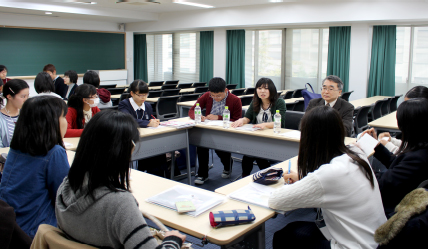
<point x="231" y="217"/>
<point x="268" y="176"/>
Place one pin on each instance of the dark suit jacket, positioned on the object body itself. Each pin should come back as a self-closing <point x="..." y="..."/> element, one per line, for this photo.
<point x="60" y="87"/>
<point x="126" y="107"/>
<point x="345" y="109"/>
<point x="71" y="92"/>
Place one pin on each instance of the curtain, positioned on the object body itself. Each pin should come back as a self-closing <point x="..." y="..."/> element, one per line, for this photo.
<point x="382" y="64"/>
<point x="235" y="57"/>
<point x="339" y="43"/>
<point x="140" y="57"/>
<point x="206" y="56"/>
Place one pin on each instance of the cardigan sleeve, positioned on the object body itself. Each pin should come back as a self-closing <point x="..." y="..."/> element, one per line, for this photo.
<point x="250" y="112"/>
<point x="202" y="103"/>
<point x="72" y="130"/>
<point x="236" y="110"/>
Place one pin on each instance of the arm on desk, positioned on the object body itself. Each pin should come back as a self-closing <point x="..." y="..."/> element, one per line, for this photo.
<point x="202" y="103"/>
<point x="71" y="124"/>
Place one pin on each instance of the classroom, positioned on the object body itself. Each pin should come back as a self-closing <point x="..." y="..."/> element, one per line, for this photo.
<point x="377" y="48"/>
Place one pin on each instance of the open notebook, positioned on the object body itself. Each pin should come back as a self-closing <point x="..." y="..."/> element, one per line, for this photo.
<point x="202" y="200"/>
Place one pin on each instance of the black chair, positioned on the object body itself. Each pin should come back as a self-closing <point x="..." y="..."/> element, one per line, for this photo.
<point x="165" y="87"/>
<point x="166" y="108"/>
<point x="246" y="100"/>
<point x="290" y="106"/>
<point x="124" y="96"/>
<point x="155" y="94"/>
<point x="116" y="90"/>
<point x="156" y="83"/>
<point x="170" y="92"/>
<point x="393" y="103"/>
<point x="385" y="107"/>
<point x="109" y="108"/>
<point x="298" y="93"/>
<point x="346" y="95"/>
<point x="377" y="109"/>
<point x="108" y="86"/>
<point x="299" y="106"/>
<point x="198" y="84"/>
<point x="292" y="119"/>
<point x="279" y="94"/>
<point x="250" y="90"/>
<point x="171" y="82"/>
<point x="184" y="85"/>
<point x="361" y="120"/>
<point x="189" y="97"/>
<point x="238" y="92"/>
<point x="201" y="89"/>
<point x="231" y="86"/>
<point x="288" y="94"/>
<point x="243" y="112"/>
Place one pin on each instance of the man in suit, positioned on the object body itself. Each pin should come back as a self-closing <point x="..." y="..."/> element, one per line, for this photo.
<point x="330" y="92"/>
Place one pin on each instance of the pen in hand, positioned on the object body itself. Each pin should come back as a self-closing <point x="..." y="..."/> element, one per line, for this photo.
<point x="289" y="169"/>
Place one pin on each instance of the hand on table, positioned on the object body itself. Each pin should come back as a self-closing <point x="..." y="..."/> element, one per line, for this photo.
<point x="261" y="126"/>
<point x="203" y="118"/>
<point x="154" y="123"/>
<point x="212" y="117"/>
<point x="237" y="123"/>
<point x="290" y="178"/>
<point x="176" y="233"/>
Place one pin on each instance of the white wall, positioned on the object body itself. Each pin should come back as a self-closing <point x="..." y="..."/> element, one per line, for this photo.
<point x="219" y="53"/>
<point x="129" y="54"/>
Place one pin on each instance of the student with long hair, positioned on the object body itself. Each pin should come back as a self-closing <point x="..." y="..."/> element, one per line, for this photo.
<point x="92" y="78"/>
<point x="43" y="84"/>
<point x="37" y="163"/>
<point x="82" y="106"/>
<point x="16" y="93"/>
<point x="97" y="189"/>
<point x="335" y="178"/>
<point x="408" y="167"/>
<point x="70" y="79"/>
<point x="261" y="113"/>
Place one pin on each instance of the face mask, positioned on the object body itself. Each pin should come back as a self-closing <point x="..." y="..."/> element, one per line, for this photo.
<point x="96" y="102"/>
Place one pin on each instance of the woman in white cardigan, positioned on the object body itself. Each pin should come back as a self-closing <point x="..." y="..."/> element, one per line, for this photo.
<point x="334" y="178"/>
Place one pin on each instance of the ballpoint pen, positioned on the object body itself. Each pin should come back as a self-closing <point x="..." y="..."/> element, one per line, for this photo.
<point x="289" y="169"/>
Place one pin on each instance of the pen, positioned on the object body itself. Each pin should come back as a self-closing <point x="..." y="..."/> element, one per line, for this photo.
<point x="153" y="117"/>
<point x="289" y="168"/>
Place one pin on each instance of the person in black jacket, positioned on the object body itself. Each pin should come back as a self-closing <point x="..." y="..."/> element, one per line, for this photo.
<point x="409" y="166"/>
<point x="60" y="88"/>
<point x="70" y="79"/>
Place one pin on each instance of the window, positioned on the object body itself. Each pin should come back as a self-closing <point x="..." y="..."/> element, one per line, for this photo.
<point x="159" y="57"/>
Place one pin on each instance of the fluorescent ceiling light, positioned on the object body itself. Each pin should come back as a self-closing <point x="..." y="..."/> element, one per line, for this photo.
<point x="276" y="1"/>
<point x="193" y="4"/>
<point x="48" y="13"/>
<point x="81" y="2"/>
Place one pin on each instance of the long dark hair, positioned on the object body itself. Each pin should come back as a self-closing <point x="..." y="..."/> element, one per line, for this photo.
<point x="38" y="130"/>
<point x="322" y="139"/>
<point x="76" y="101"/>
<point x="13" y="87"/>
<point x="412" y="120"/>
<point x="44" y="83"/>
<point x="103" y="154"/>
<point x="273" y="93"/>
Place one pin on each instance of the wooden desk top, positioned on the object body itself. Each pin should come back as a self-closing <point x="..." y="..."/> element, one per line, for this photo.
<point x="285" y="90"/>
<point x="116" y="96"/>
<point x="146" y="132"/>
<point x="74" y="141"/>
<point x="187" y="90"/>
<point x="142" y="187"/>
<point x="187" y="103"/>
<point x="155" y="87"/>
<point x="367" y="101"/>
<point x="388" y="121"/>
<point x="70" y="154"/>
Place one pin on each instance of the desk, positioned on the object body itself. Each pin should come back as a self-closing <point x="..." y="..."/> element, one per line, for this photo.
<point x="388" y="122"/>
<point x="155" y="87"/>
<point x="74" y="141"/>
<point x="144" y="185"/>
<point x="367" y="101"/>
<point x="116" y="96"/>
<point x="70" y="154"/>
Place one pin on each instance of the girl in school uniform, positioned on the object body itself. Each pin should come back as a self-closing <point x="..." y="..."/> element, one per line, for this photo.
<point x="37" y="163"/>
<point x="44" y="86"/>
<point x="70" y="79"/>
<point x="262" y="108"/>
<point x="82" y="106"/>
<point x="16" y="93"/>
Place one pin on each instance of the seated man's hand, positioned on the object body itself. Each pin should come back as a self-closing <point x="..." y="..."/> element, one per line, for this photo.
<point x="212" y="117"/>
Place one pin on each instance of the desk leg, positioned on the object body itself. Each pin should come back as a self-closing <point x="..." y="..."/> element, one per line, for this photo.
<point x="261" y="237"/>
<point x="172" y="164"/>
<point x="181" y="111"/>
<point x="189" y="175"/>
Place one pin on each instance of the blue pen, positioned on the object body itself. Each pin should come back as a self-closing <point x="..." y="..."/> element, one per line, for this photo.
<point x="289" y="169"/>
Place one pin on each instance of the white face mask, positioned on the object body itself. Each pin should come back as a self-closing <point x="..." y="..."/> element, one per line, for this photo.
<point x="96" y="102"/>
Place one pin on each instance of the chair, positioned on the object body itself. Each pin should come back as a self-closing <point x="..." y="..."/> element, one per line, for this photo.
<point x="279" y="94"/>
<point x="124" y="96"/>
<point x="361" y="120"/>
<point x="166" y="108"/>
<point x="109" y="108"/>
<point x="164" y="87"/>
<point x="250" y="90"/>
<point x="288" y="94"/>
<point x="171" y="82"/>
<point x="292" y="119"/>
<point x="48" y="236"/>
<point x="231" y="86"/>
<point x="393" y="103"/>
<point x="189" y="97"/>
<point x="116" y="90"/>
<point x="198" y="84"/>
<point x="201" y="89"/>
<point x="246" y="100"/>
<point x="385" y="107"/>
<point x="377" y="109"/>
<point x="299" y="106"/>
<point x="238" y="92"/>
<point x="170" y="92"/>
<point x="156" y="83"/>
<point x="298" y="93"/>
<point x="184" y="85"/>
<point x="155" y="94"/>
<point x="346" y="95"/>
<point x="290" y="106"/>
<point x="108" y="86"/>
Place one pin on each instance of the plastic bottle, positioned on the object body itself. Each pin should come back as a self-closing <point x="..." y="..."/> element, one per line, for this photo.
<point x="277" y="122"/>
<point x="226" y="117"/>
<point x="198" y="114"/>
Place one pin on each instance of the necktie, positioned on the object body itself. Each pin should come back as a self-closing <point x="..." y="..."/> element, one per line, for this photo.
<point x="140" y="113"/>
<point x="328" y="104"/>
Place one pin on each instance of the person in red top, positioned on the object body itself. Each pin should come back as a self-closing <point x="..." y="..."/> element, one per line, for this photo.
<point x="3" y="74"/>
<point x="214" y="102"/>
<point x="82" y="106"/>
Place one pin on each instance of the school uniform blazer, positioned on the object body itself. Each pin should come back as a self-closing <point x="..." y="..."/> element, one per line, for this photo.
<point x="232" y="102"/>
<point x="345" y="109"/>
<point x="71" y="92"/>
<point x="404" y="173"/>
<point x="60" y="87"/>
<point x="126" y="107"/>
<point x="71" y="117"/>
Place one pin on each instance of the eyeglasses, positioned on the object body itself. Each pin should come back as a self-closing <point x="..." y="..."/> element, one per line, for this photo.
<point x="142" y="95"/>
<point x="93" y="97"/>
<point x="328" y="89"/>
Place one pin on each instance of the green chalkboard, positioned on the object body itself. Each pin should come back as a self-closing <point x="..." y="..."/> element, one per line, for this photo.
<point x="26" y="51"/>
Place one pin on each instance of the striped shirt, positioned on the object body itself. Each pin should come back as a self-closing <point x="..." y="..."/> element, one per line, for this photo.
<point x="10" y="124"/>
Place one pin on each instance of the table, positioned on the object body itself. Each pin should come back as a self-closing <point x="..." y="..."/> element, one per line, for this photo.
<point x="70" y="154"/>
<point x="388" y="122"/>
<point x="116" y="96"/>
<point x="74" y="141"/>
<point x="196" y="226"/>
<point x="367" y="101"/>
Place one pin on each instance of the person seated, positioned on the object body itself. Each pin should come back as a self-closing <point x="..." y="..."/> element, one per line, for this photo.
<point x="334" y="178"/>
<point x="82" y="106"/>
<point x="16" y="93"/>
<point x="3" y="74"/>
<point x="11" y="235"/>
<point x="214" y="101"/>
<point x="60" y="87"/>
<point x="92" y="78"/>
<point x="70" y="79"/>
<point x="408" y="166"/>
<point x="44" y="85"/>
<point x="330" y="92"/>
<point x="261" y="113"/>
<point x="37" y="163"/>
<point x="97" y="189"/>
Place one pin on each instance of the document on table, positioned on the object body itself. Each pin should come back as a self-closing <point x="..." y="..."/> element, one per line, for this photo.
<point x="291" y="134"/>
<point x="67" y="144"/>
<point x="178" y="124"/>
<point x="202" y="200"/>
<point x="248" y="127"/>
<point x="213" y="122"/>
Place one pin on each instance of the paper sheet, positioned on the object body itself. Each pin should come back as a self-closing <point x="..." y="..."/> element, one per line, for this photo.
<point x="67" y="144"/>
<point x="367" y="143"/>
<point x="253" y="193"/>
<point x="213" y="123"/>
<point x="247" y="127"/>
<point x="291" y="134"/>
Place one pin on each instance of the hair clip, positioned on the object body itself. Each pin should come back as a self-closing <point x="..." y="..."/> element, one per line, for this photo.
<point x="11" y="90"/>
<point x="133" y="142"/>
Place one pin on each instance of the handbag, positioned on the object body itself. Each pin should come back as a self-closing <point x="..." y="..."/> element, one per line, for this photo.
<point x="307" y="95"/>
<point x="231" y="217"/>
<point x="268" y="176"/>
